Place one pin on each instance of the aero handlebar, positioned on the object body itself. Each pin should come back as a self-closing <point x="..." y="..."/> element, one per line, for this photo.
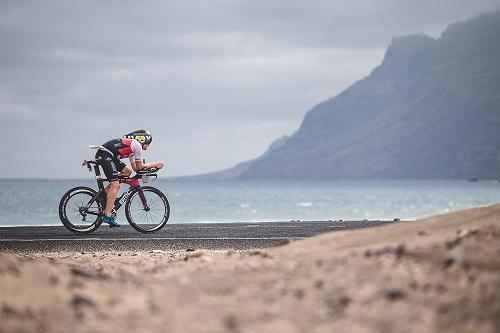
<point x="151" y="172"/>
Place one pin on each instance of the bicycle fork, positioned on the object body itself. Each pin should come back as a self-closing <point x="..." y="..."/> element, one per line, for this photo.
<point x="143" y="200"/>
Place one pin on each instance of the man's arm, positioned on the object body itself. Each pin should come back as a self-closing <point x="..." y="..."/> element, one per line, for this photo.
<point x="138" y="165"/>
<point x="136" y="159"/>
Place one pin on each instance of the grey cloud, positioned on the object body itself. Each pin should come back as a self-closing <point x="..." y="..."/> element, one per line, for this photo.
<point x="216" y="79"/>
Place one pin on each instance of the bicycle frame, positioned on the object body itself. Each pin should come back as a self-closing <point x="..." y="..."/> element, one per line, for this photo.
<point x="119" y="201"/>
<point x="82" y="202"/>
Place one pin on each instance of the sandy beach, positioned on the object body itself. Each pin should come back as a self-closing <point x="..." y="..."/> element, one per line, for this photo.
<point x="439" y="274"/>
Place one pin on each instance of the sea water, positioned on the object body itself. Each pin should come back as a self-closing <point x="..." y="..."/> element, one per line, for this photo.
<point x="35" y="202"/>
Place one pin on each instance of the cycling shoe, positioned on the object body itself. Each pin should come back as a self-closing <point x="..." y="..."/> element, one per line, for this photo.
<point x="110" y="220"/>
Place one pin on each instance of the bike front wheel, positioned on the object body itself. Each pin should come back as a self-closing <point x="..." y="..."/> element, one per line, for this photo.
<point x="79" y="210"/>
<point x="147" y="209"/>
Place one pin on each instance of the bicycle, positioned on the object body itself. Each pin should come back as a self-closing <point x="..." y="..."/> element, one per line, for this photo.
<point x="147" y="209"/>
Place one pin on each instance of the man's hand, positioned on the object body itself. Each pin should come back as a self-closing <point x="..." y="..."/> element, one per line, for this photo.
<point x="159" y="164"/>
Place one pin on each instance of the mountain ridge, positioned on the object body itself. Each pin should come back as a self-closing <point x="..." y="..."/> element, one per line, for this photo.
<point x="430" y="110"/>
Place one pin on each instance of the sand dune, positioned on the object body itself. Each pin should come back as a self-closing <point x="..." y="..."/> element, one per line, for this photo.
<point x="440" y="274"/>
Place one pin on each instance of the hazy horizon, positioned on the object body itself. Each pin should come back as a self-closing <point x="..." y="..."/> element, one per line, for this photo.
<point x="216" y="84"/>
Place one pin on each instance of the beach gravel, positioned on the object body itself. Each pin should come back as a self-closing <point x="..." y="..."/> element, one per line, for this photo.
<point x="439" y="274"/>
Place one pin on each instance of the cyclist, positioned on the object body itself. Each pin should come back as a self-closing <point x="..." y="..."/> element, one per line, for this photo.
<point x="109" y="154"/>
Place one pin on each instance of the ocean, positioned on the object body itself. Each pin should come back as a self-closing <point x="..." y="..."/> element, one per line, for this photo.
<point x="35" y="202"/>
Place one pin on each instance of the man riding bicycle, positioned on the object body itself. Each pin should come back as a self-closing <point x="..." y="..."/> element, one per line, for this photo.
<point x="109" y="154"/>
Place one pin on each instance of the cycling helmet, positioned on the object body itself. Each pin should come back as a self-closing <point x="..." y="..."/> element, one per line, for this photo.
<point x="141" y="135"/>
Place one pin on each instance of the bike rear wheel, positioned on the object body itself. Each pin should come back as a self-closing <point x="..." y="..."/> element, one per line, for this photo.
<point x="78" y="211"/>
<point x="147" y="209"/>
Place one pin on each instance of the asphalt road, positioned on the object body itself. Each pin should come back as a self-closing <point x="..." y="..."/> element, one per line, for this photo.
<point x="172" y="236"/>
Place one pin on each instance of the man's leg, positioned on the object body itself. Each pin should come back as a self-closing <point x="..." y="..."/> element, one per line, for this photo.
<point x="113" y="189"/>
<point x="111" y="168"/>
<point x="127" y="171"/>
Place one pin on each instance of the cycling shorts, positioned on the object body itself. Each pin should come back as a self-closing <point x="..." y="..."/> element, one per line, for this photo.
<point x="111" y="165"/>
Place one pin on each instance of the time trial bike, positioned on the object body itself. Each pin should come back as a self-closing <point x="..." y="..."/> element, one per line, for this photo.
<point x="147" y="209"/>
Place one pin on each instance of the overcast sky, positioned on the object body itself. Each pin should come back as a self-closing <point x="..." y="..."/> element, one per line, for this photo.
<point x="214" y="81"/>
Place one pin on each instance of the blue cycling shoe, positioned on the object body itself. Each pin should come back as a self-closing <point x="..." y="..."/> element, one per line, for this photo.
<point x="110" y="220"/>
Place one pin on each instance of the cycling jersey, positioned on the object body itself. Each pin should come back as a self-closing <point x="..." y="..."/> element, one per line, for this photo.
<point x="110" y="153"/>
<point x="123" y="148"/>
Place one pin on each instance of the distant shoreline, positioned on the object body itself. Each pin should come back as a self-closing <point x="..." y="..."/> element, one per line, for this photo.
<point x="196" y="179"/>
